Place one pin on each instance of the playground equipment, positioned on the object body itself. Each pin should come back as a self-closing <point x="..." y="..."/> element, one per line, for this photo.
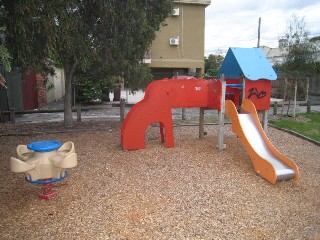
<point x="267" y="161"/>
<point x="44" y="163"/>
<point x="245" y="76"/>
<point x="160" y="97"/>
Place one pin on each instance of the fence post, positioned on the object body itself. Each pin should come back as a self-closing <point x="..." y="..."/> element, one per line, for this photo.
<point x="12" y="116"/>
<point x="285" y="94"/>
<point x="183" y="113"/>
<point x="295" y="98"/>
<point x="275" y="108"/>
<point x="307" y="88"/>
<point x="122" y="108"/>
<point x="79" y="113"/>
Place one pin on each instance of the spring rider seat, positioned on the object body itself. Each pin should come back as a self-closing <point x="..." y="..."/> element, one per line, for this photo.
<point x="44" y="163"/>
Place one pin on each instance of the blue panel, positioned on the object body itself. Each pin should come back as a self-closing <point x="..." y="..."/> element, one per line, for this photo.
<point x="251" y="62"/>
<point x="46" y="181"/>
<point x="44" y="146"/>
<point x="235" y="85"/>
<point x="230" y="67"/>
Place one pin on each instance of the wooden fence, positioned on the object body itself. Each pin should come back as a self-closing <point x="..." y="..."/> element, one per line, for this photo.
<point x="310" y="86"/>
<point x="11" y="114"/>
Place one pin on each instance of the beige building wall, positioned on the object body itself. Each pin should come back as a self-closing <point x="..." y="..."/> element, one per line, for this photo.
<point x="186" y="57"/>
<point x="58" y="81"/>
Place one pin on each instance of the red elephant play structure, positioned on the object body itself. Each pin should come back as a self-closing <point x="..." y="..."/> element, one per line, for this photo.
<point x="160" y="97"/>
<point x="163" y="95"/>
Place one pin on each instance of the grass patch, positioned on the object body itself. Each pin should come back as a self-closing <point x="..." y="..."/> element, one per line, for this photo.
<point x="307" y="124"/>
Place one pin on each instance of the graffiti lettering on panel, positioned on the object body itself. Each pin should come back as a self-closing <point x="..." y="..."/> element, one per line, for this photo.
<point x="254" y="91"/>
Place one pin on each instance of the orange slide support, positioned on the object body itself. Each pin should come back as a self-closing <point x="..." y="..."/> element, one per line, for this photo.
<point x="267" y="161"/>
<point x="160" y="97"/>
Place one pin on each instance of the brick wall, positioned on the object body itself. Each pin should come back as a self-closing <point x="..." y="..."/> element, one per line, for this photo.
<point x="42" y="93"/>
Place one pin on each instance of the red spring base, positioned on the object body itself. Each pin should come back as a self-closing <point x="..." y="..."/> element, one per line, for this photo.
<point x="48" y="192"/>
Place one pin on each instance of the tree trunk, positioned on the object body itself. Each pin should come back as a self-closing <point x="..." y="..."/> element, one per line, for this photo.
<point x="69" y="70"/>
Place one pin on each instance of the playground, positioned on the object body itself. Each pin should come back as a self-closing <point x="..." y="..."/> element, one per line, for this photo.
<point x="190" y="191"/>
<point x="241" y="92"/>
<point x="146" y="178"/>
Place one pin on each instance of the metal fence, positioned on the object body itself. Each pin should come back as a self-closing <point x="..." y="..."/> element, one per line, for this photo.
<point x="11" y="94"/>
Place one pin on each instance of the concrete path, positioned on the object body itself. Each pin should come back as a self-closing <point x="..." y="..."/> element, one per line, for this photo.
<point x="106" y="111"/>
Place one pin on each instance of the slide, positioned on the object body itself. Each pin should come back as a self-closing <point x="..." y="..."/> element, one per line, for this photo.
<point x="267" y="160"/>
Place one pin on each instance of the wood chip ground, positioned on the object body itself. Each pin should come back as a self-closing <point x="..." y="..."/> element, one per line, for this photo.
<point x="190" y="191"/>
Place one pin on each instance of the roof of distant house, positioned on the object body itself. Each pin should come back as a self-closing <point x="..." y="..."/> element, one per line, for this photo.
<point x="274" y="52"/>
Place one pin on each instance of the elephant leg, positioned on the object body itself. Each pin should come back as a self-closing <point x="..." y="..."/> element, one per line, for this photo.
<point x="169" y="138"/>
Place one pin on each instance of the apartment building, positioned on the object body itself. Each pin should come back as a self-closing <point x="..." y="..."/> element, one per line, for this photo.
<point x="179" y="46"/>
<point x="276" y="55"/>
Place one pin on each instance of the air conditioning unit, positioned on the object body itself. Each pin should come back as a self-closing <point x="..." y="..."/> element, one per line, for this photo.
<point x="174" y="41"/>
<point x="175" y="12"/>
<point x="146" y="60"/>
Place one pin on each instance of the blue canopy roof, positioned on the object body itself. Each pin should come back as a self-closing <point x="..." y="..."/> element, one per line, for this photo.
<point x="250" y="62"/>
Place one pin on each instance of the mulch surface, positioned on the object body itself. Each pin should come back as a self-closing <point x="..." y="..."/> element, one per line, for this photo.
<point x="191" y="191"/>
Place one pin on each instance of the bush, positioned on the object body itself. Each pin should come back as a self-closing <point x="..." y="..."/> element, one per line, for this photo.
<point x="87" y="91"/>
<point x="90" y="90"/>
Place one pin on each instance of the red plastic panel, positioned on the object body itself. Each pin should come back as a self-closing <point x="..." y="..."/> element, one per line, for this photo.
<point x="160" y="97"/>
<point x="259" y="92"/>
<point x="214" y="94"/>
<point x="177" y="93"/>
<point x="232" y="93"/>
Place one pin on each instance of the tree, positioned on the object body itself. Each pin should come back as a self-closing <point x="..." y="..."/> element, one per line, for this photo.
<point x="114" y="34"/>
<point x="316" y="64"/>
<point x="301" y="53"/>
<point x="212" y="65"/>
<point x="5" y="58"/>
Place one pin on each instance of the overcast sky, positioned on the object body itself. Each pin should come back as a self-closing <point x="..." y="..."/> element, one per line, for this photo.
<point x="234" y="23"/>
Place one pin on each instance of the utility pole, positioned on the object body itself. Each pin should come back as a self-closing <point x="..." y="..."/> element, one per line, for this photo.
<point x="258" y="45"/>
